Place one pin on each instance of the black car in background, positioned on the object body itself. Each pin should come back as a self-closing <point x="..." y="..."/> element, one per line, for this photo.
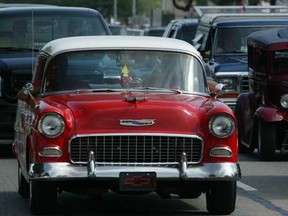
<point x="154" y="31"/>
<point x="23" y="31"/>
<point x="183" y="29"/>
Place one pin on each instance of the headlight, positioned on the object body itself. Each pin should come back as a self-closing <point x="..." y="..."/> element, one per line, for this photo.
<point x="221" y="126"/>
<point x="284" y="101"/>
<point x="51" y="125"/>
<point x="229" y="82"/>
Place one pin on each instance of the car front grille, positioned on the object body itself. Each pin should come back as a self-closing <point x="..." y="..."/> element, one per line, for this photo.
<point x="136" y="149"/>
<point x="245" y="87"/>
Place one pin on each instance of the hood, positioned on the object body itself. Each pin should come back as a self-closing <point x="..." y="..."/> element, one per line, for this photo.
<point x="231" y="64"/>
<point x="158" y="113"/>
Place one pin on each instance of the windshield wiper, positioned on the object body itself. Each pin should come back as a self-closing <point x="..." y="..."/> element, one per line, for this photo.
<point x="106" y="90"/>
<point x="130" y="89"/>
<point x="159" y="89"/>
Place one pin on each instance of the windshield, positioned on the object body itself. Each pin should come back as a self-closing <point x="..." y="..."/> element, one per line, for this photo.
<point x="125" y="70"/>
<point x="35" y="31"/>
<point x="234" y="40"/>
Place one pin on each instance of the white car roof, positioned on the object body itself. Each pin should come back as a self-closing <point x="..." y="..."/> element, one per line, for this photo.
<point x="117" y="42"/>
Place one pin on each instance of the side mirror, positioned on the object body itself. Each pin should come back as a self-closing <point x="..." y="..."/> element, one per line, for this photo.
<point x="219" y="88"/>
<point x="29" y="87"/>
<point x="26" y="92"/>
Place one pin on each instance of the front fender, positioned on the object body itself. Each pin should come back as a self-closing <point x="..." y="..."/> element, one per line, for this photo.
<point x="270" y="114"/>
<point x="246" y="106"/>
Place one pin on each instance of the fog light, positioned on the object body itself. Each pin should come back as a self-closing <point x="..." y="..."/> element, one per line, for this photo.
<point x="221" y="152"/>
<point x="50" y="152"/>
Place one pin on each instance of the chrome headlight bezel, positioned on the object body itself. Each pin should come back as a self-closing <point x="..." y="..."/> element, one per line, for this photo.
<point x="284" y="101"/>
<point x="51" y="125"/>
<point x="222" y="125"/>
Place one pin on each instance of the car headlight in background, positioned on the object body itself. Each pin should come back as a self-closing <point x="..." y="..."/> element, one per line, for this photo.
<point x="229" y="82"/>
<point x="221" y="126"/>
<point x="51" y="125"/>
<point x="284" y="101"/>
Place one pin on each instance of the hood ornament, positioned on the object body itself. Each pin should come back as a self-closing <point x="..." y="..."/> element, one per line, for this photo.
<point x="137" y="122"/>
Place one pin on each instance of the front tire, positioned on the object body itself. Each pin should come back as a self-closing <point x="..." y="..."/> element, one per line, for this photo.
<point x="43" y="197"/>
<point x="221" y="197"/>
<point x="266" y="140"/>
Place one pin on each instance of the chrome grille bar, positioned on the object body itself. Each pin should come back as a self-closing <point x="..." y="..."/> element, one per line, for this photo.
<point x="136" y="149"/>
<point x="245" y="87"/>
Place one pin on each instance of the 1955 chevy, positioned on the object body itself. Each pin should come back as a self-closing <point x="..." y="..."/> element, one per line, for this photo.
<point x="131" y="114"/>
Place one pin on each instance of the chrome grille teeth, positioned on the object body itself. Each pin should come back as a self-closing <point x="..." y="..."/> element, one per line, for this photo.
<point x="139" y="149"/>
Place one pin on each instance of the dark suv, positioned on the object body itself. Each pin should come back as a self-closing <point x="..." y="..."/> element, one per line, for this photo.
<point x="23" y="31"/>
<point x="183" y="29"/>
<point x="222" y="40"/>
<point x="262" y="113"/>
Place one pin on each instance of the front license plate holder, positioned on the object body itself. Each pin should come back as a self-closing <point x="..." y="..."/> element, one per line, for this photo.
<point x="137" y="181"/>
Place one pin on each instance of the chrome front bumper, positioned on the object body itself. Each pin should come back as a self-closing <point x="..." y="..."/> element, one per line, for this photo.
<point x="67" y="171"/>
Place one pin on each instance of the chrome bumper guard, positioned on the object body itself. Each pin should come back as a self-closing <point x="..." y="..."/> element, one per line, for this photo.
<point x="67" y="171"/>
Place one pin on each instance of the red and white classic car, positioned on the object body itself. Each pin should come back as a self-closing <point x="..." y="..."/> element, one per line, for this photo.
<point x="127" y="114"/>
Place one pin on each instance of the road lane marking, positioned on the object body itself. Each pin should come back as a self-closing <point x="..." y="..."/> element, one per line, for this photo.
<point x="245" y="187"/>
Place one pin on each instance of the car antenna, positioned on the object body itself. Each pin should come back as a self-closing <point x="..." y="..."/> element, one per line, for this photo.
<point x="32" y="38"/>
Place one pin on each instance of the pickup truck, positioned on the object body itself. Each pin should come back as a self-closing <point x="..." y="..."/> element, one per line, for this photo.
<point x="24" y="30"/>
<point x="229" y="26"/>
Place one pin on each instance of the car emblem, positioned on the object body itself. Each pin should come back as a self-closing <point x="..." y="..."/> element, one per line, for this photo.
<point x="135" y="123"/>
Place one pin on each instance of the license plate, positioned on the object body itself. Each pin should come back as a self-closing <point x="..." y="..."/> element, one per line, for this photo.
<point x="137" y="181"/>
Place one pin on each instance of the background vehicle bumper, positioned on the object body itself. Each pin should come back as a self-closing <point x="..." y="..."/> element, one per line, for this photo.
<point x="67" y="171"/>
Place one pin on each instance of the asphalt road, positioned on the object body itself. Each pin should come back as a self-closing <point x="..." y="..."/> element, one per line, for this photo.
<point x="263" y="191"/>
